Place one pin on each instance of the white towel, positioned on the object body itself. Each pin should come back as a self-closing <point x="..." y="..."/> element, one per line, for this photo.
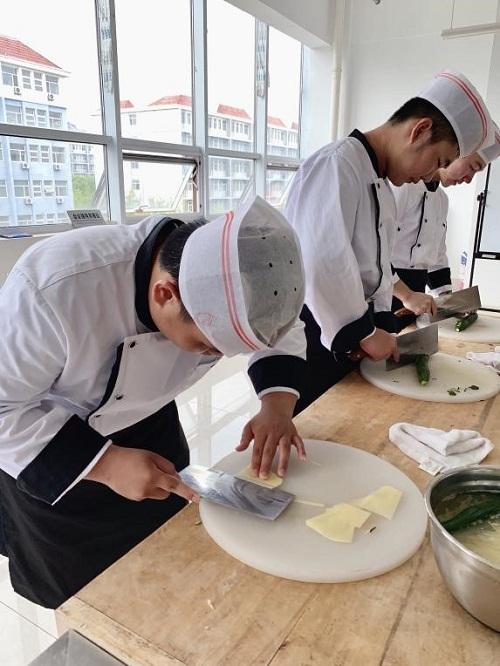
<point x="486" y="358"/>
<point x="437" y="450"/>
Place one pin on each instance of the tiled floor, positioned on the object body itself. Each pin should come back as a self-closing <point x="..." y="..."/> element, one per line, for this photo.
<point x="213" y="413"/>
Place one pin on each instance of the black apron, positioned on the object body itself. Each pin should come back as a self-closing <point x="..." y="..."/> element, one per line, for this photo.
<point x="55" y="550"/>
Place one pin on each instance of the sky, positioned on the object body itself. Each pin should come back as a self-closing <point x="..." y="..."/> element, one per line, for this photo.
<point x="153" y="39"/>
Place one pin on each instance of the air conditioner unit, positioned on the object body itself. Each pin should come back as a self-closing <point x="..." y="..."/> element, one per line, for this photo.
<point x="28" y="200"/>
<point x="50" y="97"/>
<point x="57" y="167"/>
<point x="17" y="91"/>
<point x="25" y="165"/>
<point x="59" y="199"/>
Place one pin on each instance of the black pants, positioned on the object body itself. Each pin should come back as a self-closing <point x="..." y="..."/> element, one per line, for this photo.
<point x="55" y="550"/>
<point x="416" y="280"/>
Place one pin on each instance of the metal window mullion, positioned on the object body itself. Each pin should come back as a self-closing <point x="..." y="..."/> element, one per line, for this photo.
<point x="200" y="96"/>
<point x="238" y="154"/>
<point x="260" y="97"/>
<point x="30" y="132"/>
<point x="110" y="97"/>
<point x="151" y="147"/>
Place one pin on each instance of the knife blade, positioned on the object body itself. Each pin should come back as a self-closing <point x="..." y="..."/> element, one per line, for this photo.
<point x="410" y="345"/>
<point x="456" y="303"/>
<point x="226" y="489"/>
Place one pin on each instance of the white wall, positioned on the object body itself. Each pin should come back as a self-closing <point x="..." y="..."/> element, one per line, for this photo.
<point x="392" y="50"/>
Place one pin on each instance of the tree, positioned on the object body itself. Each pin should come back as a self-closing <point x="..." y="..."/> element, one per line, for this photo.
<point x="83" y="191"/>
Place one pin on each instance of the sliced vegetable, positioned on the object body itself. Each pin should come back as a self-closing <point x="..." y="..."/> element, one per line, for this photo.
<point x="465" y="322"/>
<point x="471" y="514"/>
<point x="422" y="367"/>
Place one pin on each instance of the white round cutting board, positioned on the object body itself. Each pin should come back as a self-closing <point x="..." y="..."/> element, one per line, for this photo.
<point x="286" y="547"/>
<point x="447" y="372"/>
<point x="485" y="329"/>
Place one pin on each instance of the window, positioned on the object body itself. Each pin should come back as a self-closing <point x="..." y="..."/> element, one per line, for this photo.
<point x="41" y="116"/>
<point x="37" y="188"/>
<point x="30" y="116"/>
<point x="3" y="189"/>
<point x="186" y="117"/>
<point x="52" y="84"/>
<point x="1" y="153"/>
<point x="277" y="186"/>
<point x="136" y="184"/>
<point x="48" y="187"/>
<point x="37" y="76"/>
<point x="51" y="218"/>
<point x="34" y="151"/>
<point x="26" y="73"/>
<point x="18" y="152"/>
<point x="62" y="217"/>
<point x="40" y="218"/>
<point x="4" y="220"/>
<point x="61" y="188"/>
<point x="55" y="119"/>
<point x="21" y="188"/>
<point x="225" y="190"/>
<point x="9" y="75"/>
<point x="156" y="76"/>
<point x="132" y="118"/>
<point x="134" y="165"/>
<point x="14" y="113"/>
<point x="58" y="155"/>
<point x="45" y="152"/>
<point x="24" y="219"/>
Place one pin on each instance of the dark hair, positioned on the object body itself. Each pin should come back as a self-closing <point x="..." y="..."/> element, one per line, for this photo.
<point x="171" y="249"/>
<point x="417" y="107"/>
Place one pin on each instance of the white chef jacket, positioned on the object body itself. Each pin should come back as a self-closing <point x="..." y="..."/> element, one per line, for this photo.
<point x="343" y="213"/>
<point x="420" y="236"/>
<point x="72" y="306"/>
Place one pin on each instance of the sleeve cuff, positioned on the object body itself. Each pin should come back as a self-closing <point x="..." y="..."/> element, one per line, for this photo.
<point x="278" y="373"/>
<point x="81" y="476"/>
<point x="62" y="461"/>
<point x="278" y="389"/>
<point x="348" y="336"/>
<point x="439" y="278"/>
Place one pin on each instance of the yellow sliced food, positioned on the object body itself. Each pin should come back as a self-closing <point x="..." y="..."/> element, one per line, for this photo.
<point x="352" y="515"/>
<point x="273" y="480"/>
<point x="383" y="501"/>
<point x="332" y="527"/>
<point x="302" y="501"/>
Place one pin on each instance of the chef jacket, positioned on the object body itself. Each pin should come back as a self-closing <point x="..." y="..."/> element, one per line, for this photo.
<point x="80" y="356"/>
<point x="344" y="215"/>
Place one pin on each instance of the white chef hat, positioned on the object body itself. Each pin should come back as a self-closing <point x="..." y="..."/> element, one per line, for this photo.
<point x="459" y="101"/>
<point x="241" y="278"/>
<point x="491" y="152"/>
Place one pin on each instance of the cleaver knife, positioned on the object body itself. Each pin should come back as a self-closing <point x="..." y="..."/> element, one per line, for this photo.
<point x="410" y="345"/>
<point x="454" y="304"/>
<point x="226" y="489"/>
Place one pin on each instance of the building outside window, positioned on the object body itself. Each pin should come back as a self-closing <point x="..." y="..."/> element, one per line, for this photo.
<point x="21" y="188"/>
<point x="26" y="73"/>
<point x="41" y="116"/>
<point x="52" y="84"/>
<point x="18" y="152"/>
<point x="58" y="155"/>
<point x="30" y="116"/>
<point x="3" y="189"/>
<point x="45" y="152"/>
<point x="9" y="75"/>
<point x="61" y="188"/>
<point x="14" y="113"/>
<point x="55" y="119"/>
<point x="132" y="118"/>
<point x="37" y="76"/>
<point x="34" y="151"/>
<point x="37" y="188"/>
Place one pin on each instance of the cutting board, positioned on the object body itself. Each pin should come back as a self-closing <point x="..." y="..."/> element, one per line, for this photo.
<point x="287" y="548"/>
<point x="447" y="372"/>
<point x="485" y="329"/>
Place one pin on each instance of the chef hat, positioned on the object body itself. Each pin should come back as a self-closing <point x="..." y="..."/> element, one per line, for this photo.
<point x="457" y="99"/>
<point x="241" y="278"/>
<point x="491" y="152"/>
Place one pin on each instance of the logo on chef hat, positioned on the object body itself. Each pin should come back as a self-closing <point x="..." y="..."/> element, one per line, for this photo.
<point x="205" y="319"/>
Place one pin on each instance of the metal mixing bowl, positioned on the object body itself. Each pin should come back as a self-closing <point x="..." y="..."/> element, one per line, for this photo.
<point x="473" y="581"/>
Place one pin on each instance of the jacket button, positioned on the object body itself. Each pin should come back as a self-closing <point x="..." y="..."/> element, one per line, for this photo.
<point x="97" y="416"/>
<point x="399" y="228"/>
<point x="425" y="220"/>
<point x="118" y="397"/>
<point x="419" y="244"/>
<point x="132" y="344"/>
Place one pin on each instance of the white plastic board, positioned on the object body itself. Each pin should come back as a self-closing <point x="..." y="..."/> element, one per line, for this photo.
<point x="447" y="372"/>
<point x="286" y="547"/>
<point x="485" y="329"/>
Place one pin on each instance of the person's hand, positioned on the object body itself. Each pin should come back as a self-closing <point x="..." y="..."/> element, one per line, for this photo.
<point x="420" y="303"/>
<point x="138" y="474"/>
<point x="271" y="428"/>
<point x="380" y="346"/>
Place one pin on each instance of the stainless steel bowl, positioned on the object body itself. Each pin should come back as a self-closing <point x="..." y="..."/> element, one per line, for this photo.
<point x="473" y="581"/>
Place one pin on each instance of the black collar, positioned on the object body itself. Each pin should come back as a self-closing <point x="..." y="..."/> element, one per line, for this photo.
<point x="356" y="134"/>
<point x="432" y="186"/>
<point x="144" y="264"/>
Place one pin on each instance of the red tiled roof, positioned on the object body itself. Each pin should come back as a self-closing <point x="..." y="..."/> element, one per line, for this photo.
<point x="126" y="104"/>
<point x="295" y="125"/>
<point x="232" y="111"/>
<point x="13" y="48"/>
<point x="275" y="121"/>
<point x="183" y="100"/>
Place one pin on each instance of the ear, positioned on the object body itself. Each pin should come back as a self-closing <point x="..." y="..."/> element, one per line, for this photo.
<point x="165" y="292"/>
<point x="421" y="131"/>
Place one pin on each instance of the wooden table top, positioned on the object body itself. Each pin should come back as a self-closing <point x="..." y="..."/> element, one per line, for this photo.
<point x="177" y="598"/>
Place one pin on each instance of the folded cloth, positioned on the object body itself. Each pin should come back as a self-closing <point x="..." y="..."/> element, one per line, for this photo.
<point x="486" y="358"/>
<point x="436" y="450"/>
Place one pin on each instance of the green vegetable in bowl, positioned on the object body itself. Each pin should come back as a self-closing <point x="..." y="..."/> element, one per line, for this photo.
<point x="471" y="514"/>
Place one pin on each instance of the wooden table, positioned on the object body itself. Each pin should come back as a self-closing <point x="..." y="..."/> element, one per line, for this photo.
<point x="177" y="598"/>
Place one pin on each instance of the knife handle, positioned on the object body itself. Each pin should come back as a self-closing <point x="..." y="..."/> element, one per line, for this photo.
<point x="356" y="354"/>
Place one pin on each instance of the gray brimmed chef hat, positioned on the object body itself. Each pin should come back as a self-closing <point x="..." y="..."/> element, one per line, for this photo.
<point x="461" y="104"/>
<point x="491" y="152"/>
<point x="241" y="278"/>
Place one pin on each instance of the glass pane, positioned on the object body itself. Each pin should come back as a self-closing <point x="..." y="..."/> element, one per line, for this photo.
<point x="283" y="95"/>
<point x="50" y="76"/>
<point x="154" y="63"/>
<point x="230" y="179"/>
<point x="157" y="187"/>
<point x="40" y="180"/>
<point x="277" y="186"/>
<point x="231" y="48"/>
